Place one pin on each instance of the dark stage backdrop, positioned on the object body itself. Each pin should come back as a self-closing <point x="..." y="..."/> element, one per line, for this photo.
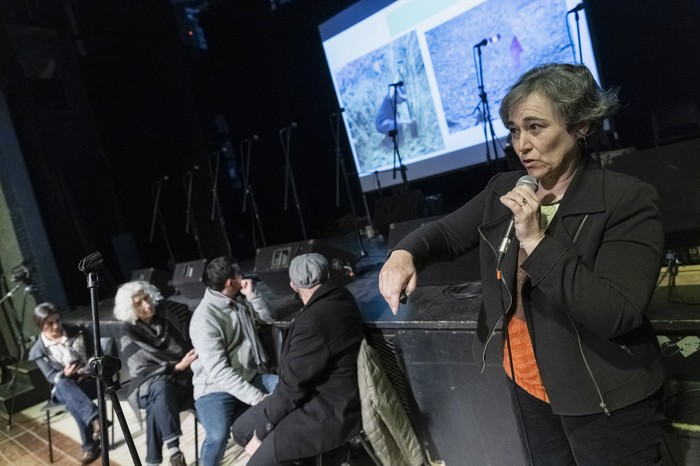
<point x="153" y="100"/>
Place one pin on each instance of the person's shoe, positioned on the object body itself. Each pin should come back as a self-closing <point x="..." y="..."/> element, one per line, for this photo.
<point x="91" y="455"/>
<point x="178" y="459"/>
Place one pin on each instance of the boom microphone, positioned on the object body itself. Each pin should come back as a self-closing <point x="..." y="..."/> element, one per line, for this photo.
<point x="578" y="7"/>
<point x="526" y="180"/>
<point x="488" y="40"/>
<point x="396" y="84"/>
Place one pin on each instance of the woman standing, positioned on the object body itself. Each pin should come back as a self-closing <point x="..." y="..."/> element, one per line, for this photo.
<point x="571" y="292"/>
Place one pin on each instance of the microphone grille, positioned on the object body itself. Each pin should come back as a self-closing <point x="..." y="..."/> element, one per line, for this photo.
<point x="528" y="180"/>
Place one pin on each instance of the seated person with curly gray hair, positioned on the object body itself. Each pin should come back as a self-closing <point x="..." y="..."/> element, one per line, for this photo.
<point x="157" y="349"/>
<point x="315" y="407"/>
<point x="61" y="352"/>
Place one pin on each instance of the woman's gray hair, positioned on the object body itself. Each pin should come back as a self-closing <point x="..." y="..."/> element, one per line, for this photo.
<point x="123" y="302"/>
<point x="576" y="97"/>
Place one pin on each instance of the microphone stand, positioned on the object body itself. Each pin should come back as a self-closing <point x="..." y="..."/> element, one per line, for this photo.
<point x="248" y="191"/>
<point x="98" y="366"/>
<point x="289" y="177"/>
<point x="578" y="36"/>
<point x="155" y="193"/>
<point x="189" y="216"/>
<point x="340" y="167"/>
<point x="486" y="113"/>
<point x="394" y="133"/>
<point x="215" y="205"/>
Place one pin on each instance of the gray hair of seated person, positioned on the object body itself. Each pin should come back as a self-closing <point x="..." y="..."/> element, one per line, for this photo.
<point x="42" y="312"/>
<point x="571" y="89"/>
<point x="123" y="302"/>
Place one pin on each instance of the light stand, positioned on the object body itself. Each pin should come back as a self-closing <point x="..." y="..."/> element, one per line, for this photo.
<point x="104" y="367"/>
<point x="485" y="110"/>
<point x="285" y="136"/>
<point x="394" y="134"/>
<point x="157" y="216"/>
<point x="248" y="189"/>
<point x="21" y="275"/>
<point x="190" y="221"/>
<point x="340" y="168"/>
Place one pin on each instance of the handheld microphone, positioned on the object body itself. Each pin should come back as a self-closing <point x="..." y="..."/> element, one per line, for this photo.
<point x="488" y="40"/>
<point x="578" y="7"/>
<point x="396" y="84"/>
<point x="526" y="180"/>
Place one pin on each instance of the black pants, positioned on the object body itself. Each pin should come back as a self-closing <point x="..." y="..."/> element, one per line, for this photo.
<point x="630" y="436"/>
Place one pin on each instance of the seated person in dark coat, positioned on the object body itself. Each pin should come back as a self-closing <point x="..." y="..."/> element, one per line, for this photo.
<point x="316" y="405"/>
<point x="156" y="347"/>
<point x="61" y="352"/>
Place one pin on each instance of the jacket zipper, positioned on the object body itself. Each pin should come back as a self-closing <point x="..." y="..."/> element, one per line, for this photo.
<point x="602" y="404"/>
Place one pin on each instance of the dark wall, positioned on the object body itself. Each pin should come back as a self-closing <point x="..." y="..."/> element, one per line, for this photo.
<point x="650" y="50"/>
<point x="154" y="99"/>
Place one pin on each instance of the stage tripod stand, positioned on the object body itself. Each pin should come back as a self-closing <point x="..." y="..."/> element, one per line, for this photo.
<point x="340" y="168"/>
<point x="394" y="134"/>
<point x="248" y="189"/>
<point x="104" y="368"/>
<point x="486" y="112"/>
<point x="285" y="140"/>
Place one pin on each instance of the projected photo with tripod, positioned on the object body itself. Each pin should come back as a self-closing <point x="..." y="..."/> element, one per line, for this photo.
<point x="435" y="74"/>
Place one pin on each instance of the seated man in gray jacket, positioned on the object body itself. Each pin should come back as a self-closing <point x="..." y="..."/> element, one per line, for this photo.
<point x="315" y="407"/>
<point x="223" y="332"/>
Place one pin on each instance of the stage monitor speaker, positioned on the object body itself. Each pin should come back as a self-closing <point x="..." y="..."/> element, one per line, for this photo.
<point x="272" y="263"/>
<point x="188" y="278"/>
<point x="158" y="277"/>
<point x="461" y="270"/>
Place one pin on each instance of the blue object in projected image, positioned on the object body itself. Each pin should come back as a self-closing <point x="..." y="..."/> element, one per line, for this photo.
<point x="429" y="48"/>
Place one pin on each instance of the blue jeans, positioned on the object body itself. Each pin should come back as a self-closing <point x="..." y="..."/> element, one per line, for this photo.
<point x="163" y="403"/>
<point x="630" y="436"/>
<point x="78" y="400"/>
<point x="216" y="413"/>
